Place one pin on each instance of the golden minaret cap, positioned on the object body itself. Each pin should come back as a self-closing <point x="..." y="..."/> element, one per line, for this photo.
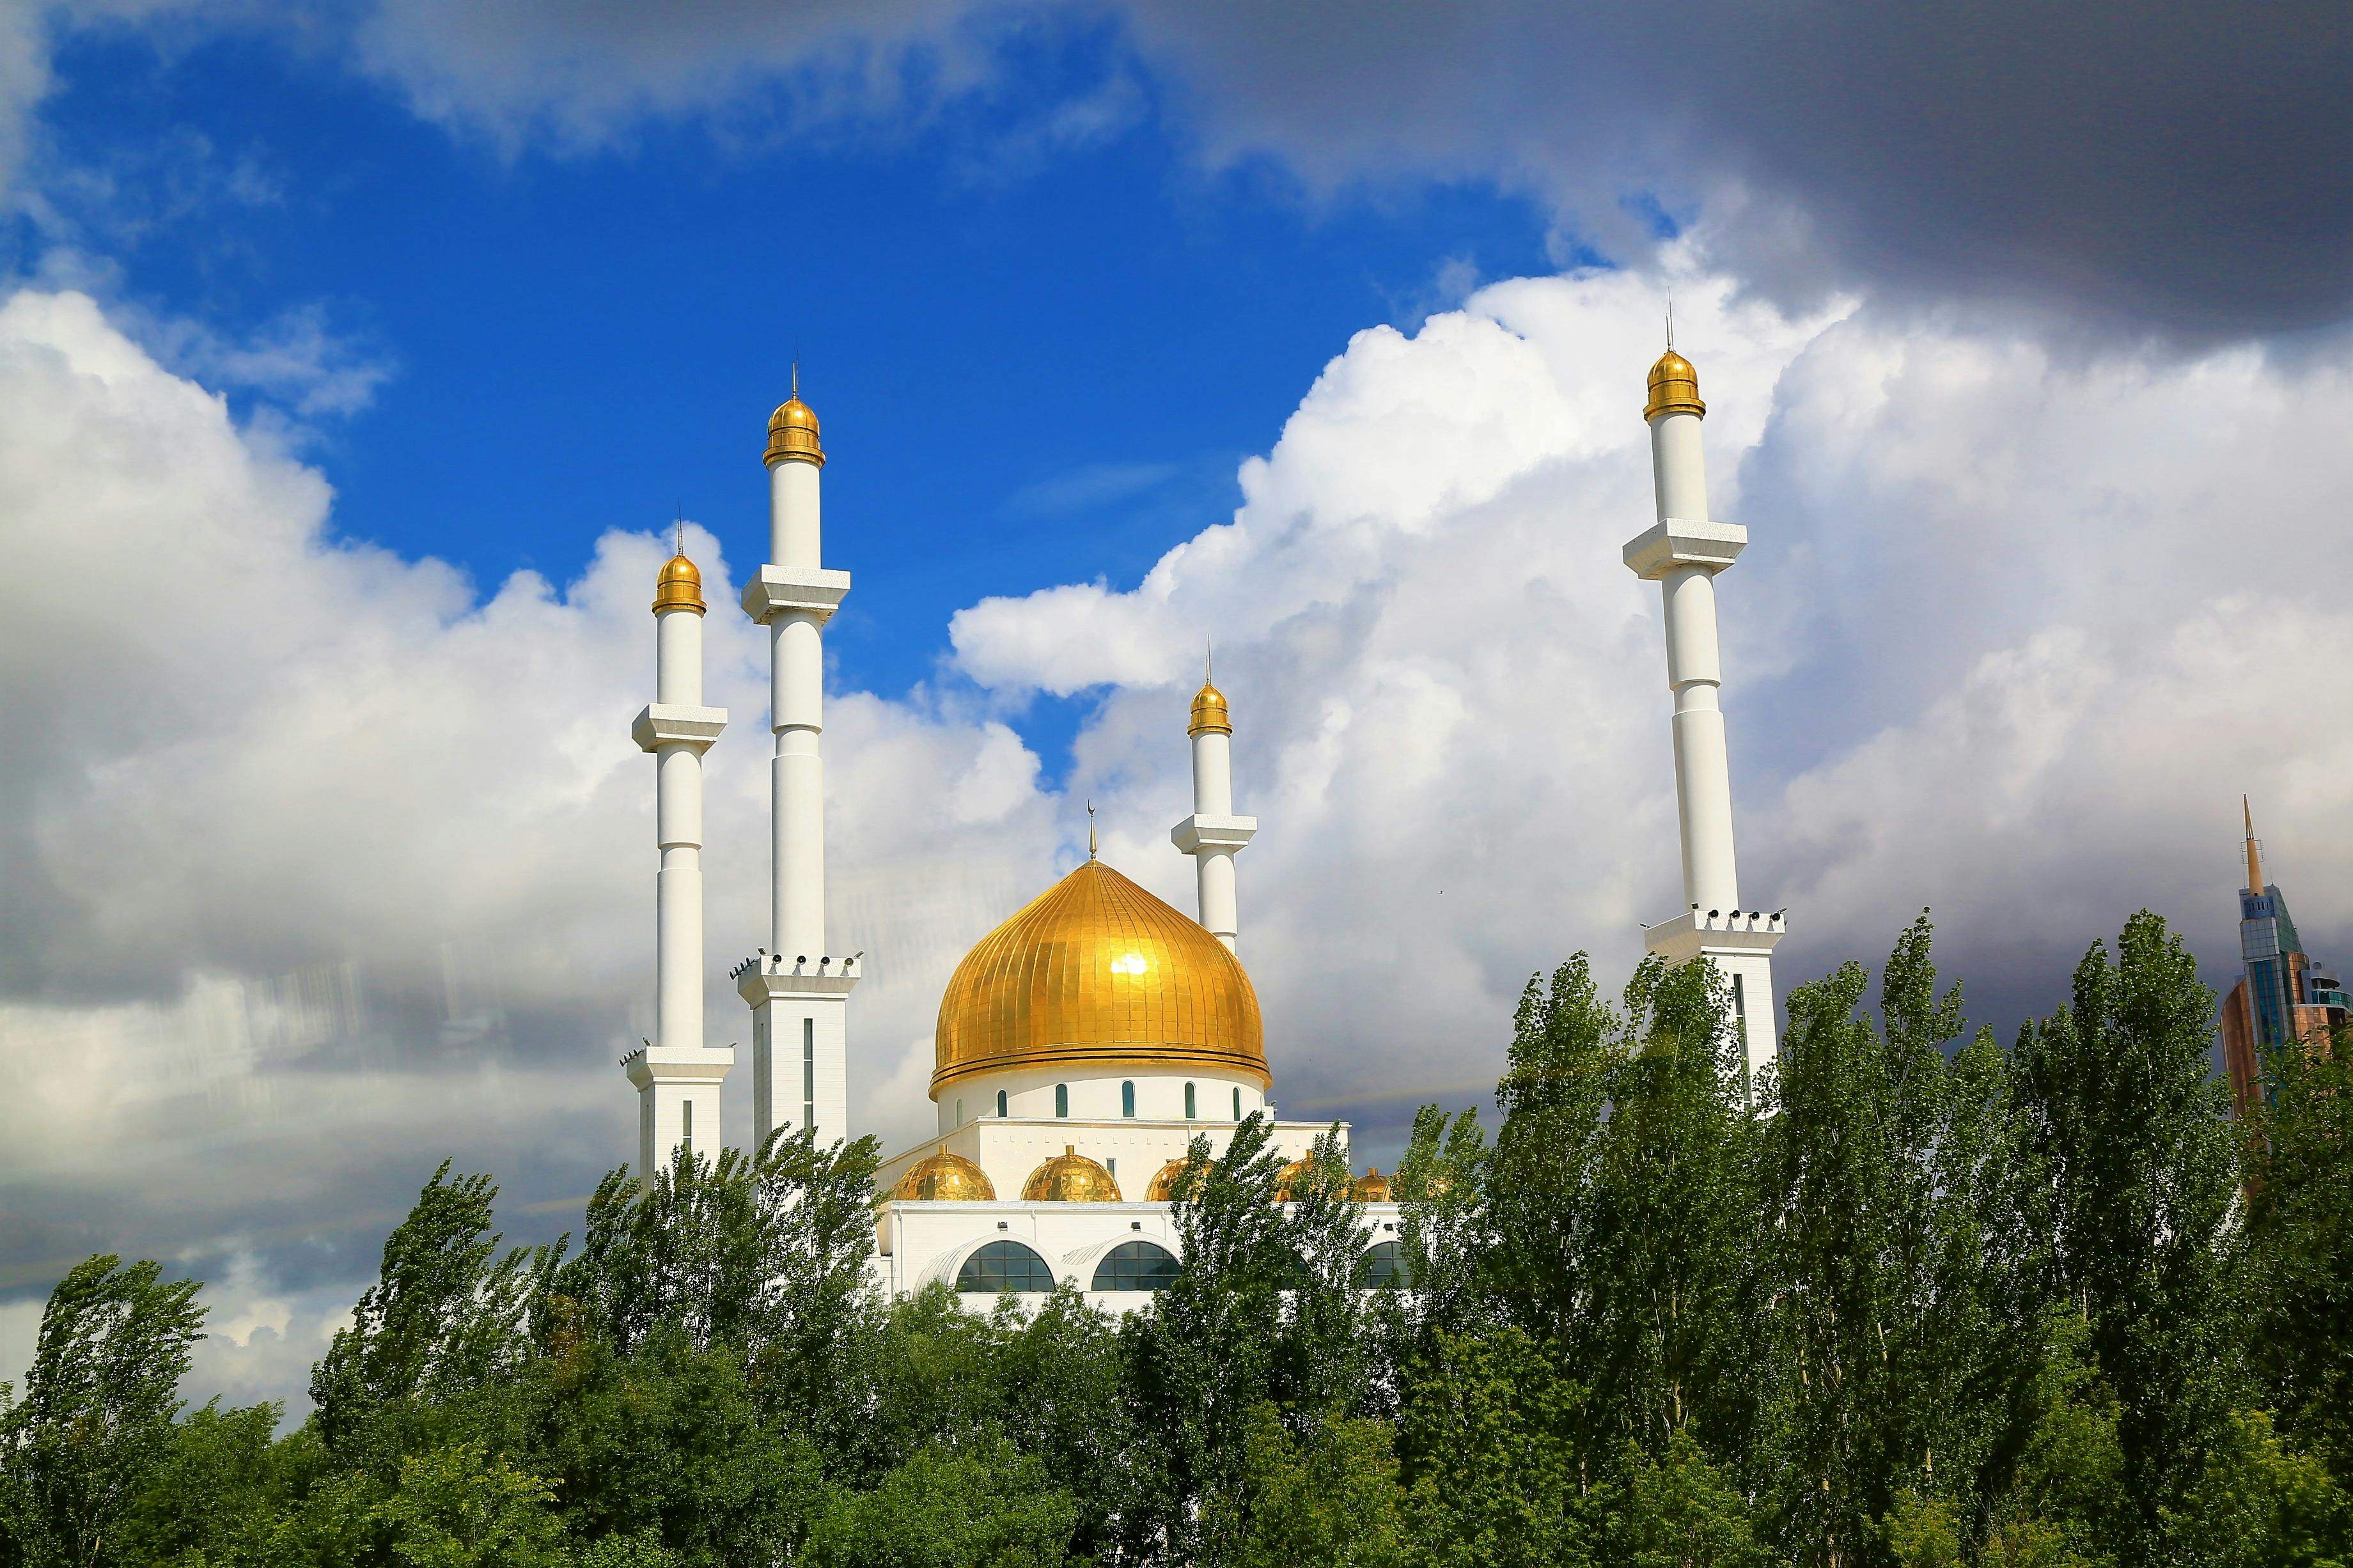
<point x="792" y="430"/>
<point x="680" y="587"/>
<point x="1674" y="388"/>
<point x="1209" y="716"/>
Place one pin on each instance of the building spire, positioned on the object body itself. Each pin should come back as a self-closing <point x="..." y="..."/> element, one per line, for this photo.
<point x="1090" y="830"/>
<point x="2255" y="856"/>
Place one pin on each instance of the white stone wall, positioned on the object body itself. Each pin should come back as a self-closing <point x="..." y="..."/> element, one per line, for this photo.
<point x="1094" y="1095"/>
<point x="919" y="1243"/>
<point x="1009" y="1150"/>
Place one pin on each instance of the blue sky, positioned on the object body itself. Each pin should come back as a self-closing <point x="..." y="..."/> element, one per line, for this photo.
<point x="1317" y="329"/>
<point x="1033" y="366"/>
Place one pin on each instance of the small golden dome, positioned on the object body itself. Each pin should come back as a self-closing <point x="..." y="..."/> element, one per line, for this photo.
<point x="1674" y="388"/>
<point x="1287" y="1181"/>
<point x="792" y="433"/>
<point x="1209" y="717"/>
<point x="1372" y="1187"/>
<point x="1097" y="974"/>
<point x="944" y="1178"/>
<point x="1164" y="1185"/>
<point x="1070" y="1177"/>
<point x="680" y="587"/>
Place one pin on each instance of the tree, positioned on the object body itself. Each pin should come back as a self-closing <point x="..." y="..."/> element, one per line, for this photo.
<point x="1872" y="1310"/>
<point x="1486" y="1437"/>
<point x="441" y="1315"/>
<point x="1329" y="1500"/>
<point x="1205" y="1359"/>
<point x="2121" y="1104"/>
<point x="1680" y="1511"/>
<point x="100" y="1398"/>
<point x="457" y="1507"/>
<point x="2295" y="1262"/>
<point x="211" y="1492"/>
<point x="988" y="1507"/>
<point x="2260" y="1504"/>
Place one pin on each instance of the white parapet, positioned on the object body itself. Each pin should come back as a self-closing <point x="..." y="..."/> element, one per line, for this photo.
<point x="1740" y="943"/>
<point x="800" y="1035"/>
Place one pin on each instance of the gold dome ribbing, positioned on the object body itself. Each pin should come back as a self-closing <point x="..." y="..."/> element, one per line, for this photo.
<point x="945" y="1178"/>
<point x="1070" y="1177"/>
<point x="680" y="586"/>
<point x="1164" y="1185"/>
<point x="1096" y="974"/>
<point x="792" y="432"/>
<point x="1209" y="716"/>
<point x="1674" y="388"/>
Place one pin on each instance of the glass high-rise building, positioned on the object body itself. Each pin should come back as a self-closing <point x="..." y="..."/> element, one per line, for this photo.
<point x="2283" y="995"/>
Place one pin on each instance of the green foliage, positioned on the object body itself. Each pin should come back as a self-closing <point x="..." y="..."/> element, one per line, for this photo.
<point x="2122" y="1106"/>
<point x="990" y="1506"/>
<point x="1487" y="1433"/>
<point x="441" y="1316"/>
<point x="2297" y="1255"/>
<point x="2261" y="1505"/>
<point x="1905" y="1302"/>
<point x="96" y="1420"/>
<point x="1680" y="1511"/>
<point x="459" y="1507"/>
<point x="1329" y="1500"/>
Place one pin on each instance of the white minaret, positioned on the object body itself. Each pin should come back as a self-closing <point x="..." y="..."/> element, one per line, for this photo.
<point x="798" y="988"/>
<point x="1213" y="835"/>
<point x="677" y="1075"/>
<point x="1683" y="552"/>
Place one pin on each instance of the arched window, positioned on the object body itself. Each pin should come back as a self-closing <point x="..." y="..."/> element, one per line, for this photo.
<point x="1127" y="1099"/>
<point x="1062" y="1100"/>
<point x="959" y="1111"/>
<point x="1004" y="1265"/>
<point x="1001" y="1102"/>
<point x="1237" y="1103"/>
<point x="1189" y="1102"/>
<point x="1135" y="1266"/>
<point x="1384" y="1268"/>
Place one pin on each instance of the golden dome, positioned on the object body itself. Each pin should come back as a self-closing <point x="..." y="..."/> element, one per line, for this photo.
<point x="1164" y="1185"/>
<point x="1098" y="973"/>
<point x="1674" y="388"/>
<point x="1372" y="1187"/>
<point x="1209" y="716"/>
<point x="1070" y="1177"/>
<point x="792" y="432"/>
<point x="945" y="1178"/>
<point x="680" y="586"/>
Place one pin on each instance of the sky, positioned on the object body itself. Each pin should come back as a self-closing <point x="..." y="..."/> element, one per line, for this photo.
<point x="356" y="362"/>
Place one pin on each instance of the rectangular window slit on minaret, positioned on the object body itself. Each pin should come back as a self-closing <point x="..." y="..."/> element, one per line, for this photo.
<point x="686" y="1126"/>
<point x="808" y="1073"/>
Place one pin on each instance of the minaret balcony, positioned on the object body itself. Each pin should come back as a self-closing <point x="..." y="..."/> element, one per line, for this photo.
<point x="1202" y="831"/>
<point x="663" y="724"/>
<point x="781" y="590"/>
<point x="1680" y="542"/>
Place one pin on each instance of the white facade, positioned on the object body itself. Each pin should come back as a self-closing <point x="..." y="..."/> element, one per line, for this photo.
<point x="797" y="988"/>
<point x="677" y="1073"/>
<point x="919" y="1243"/>
<point x="1683" y="551"/>
<point x="1046" y="1094"/>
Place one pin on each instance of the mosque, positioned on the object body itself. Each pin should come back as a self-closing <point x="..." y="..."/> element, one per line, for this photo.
<point x="1084" y="1043"/>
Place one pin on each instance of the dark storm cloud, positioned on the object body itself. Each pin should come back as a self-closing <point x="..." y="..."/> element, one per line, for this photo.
<point x="2190" y="166"/>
